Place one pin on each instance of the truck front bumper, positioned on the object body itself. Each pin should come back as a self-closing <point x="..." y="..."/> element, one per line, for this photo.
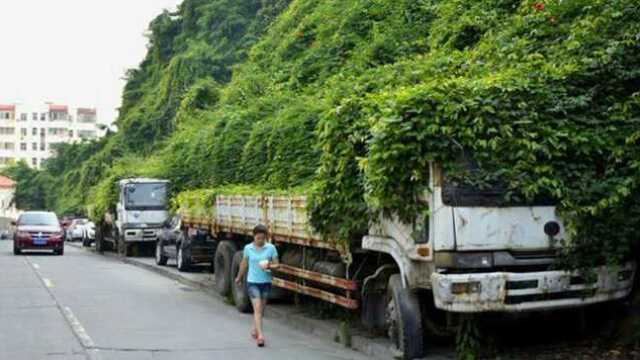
<point x="141" y="235"/>
<point x="513" y="292"/>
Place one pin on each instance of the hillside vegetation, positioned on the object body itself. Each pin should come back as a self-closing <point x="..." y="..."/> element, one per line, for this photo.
<point x="349" y="102"/>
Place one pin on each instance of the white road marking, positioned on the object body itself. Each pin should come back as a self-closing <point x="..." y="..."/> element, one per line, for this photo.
<point x="47" y="282"/>
<point x="36" y="266"/>
<point x="81" y="333"/>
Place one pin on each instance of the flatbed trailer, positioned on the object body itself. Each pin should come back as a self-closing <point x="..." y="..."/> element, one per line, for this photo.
<point x="233" y="218"/>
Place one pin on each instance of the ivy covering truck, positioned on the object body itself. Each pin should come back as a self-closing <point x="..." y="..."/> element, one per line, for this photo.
<point x="474" y="252"/>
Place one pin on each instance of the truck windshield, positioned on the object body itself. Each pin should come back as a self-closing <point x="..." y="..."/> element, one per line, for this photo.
<point x="466" y="185"/>
<point x="146" y="196"/>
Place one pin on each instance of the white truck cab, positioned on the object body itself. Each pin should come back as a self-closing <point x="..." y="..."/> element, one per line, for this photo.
<point x="141" y="210"/>
<point x="479" y="253"/>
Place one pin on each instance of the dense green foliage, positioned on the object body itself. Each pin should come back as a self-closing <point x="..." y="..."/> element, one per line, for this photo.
<point x="353" y="99"/>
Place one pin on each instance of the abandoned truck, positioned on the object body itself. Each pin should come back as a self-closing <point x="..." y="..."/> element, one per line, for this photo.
<point x="472" y="254"/>
<point x="138" y="217"/>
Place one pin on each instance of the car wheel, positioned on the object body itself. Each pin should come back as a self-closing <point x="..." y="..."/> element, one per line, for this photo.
<point x="59" y="252"/>
<point x="404" y="324"/>
<point x="16" y="250"/>
<point x="161" y="258"/>
<point x="222" y="266"/>
<point x="239" y="291"/>
<point x="183" y="258"/>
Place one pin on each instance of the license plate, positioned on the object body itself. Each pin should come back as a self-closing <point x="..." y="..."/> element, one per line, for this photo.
<point x="40" y="242"/>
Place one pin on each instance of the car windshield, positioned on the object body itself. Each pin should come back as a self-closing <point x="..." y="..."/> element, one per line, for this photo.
<point x="151" y="195"/>
<point x="44" y="219"/>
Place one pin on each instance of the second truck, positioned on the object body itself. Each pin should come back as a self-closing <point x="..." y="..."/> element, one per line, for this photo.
<point x="137" y="219"/>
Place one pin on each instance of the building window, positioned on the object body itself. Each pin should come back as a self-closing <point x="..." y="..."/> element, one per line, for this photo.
<point x="42" y="131"/>
<point x="34" y="116"/>
<point x="43" y="147"/>
<point x="70" y="133"/>
<point x="34" y="131"/>
<point x="34" y="161"/>
<point x="43" y="116"/>
<point x="23" y="146"/>
<point x="9" y="146"/>
<point x="7" y="131"/>
<point x="23" y="117"/>
<point x="34" y="146"/>
<point x="86" y="134"/>
<point x="23" y="132"/>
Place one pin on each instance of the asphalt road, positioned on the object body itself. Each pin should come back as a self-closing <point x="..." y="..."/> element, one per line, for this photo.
<point x="85" y="306"/>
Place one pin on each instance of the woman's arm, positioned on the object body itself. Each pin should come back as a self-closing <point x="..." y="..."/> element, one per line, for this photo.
<point x="242" y="271"/>
<point x="274" y="262"/>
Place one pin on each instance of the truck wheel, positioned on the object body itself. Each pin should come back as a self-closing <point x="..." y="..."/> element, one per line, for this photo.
<point x="239" y="291"/>
<point x="183" y="258"/>
<point x="222" y="263"/>
<point x="124" y="249"/>
<point x="161" y="258"/>
<point x="404" y="325"/>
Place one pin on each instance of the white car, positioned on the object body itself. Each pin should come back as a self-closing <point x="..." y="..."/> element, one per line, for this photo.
<point x="89" y="234"/>
<point x="76" y="231"/>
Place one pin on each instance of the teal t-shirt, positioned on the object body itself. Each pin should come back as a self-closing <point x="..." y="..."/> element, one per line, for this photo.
<point x="254" y="256"/>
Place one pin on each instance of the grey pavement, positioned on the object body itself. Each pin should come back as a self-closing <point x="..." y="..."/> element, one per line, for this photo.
<point x="85" y="306"/>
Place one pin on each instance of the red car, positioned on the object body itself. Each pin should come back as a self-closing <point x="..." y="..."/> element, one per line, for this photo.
<point x="38" y="230"/>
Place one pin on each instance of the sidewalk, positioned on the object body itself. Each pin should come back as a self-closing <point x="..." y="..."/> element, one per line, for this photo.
<point x="293" y="316"/>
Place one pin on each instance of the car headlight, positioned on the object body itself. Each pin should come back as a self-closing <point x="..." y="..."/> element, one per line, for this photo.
<point x="464" y="260"/>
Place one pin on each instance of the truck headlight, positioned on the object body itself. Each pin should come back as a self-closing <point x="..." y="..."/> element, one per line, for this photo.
<point x="465" y="288"/>
<point x="464" y="260"/>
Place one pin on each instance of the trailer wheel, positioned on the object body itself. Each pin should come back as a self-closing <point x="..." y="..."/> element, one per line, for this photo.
<point x="161" y="258"/>
<point x="183" y="258"/>
<point x="239" y="291"/>
<point x="404" y="325"/>
<point x="222" y="263"/>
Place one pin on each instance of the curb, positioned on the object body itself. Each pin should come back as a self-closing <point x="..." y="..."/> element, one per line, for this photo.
<point x="374" y="347"/>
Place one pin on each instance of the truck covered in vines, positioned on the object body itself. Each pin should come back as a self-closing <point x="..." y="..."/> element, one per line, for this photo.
<point x="473" y="252"/>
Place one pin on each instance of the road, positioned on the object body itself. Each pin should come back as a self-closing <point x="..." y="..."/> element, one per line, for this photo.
<point x="85" y="306"/>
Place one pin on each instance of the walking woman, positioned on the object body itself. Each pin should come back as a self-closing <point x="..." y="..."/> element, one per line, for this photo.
<point x="259" y="258"/>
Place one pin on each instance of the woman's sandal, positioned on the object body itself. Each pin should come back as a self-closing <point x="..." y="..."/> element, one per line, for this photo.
<point x="260" y="342"/>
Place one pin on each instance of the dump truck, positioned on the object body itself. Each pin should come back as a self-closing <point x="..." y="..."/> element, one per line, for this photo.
<point x="137" y="219"/>
<point x="474" y="253"/>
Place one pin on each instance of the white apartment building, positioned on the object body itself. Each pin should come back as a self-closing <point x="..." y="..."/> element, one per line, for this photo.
<point x="30" y="133"/>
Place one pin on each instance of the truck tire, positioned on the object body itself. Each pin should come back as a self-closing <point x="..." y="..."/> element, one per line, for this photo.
<point x="161" y="258"/>
<point x="239" y="291"/>
<point x="222" y="263"/>
<point x="404" y="324"/>
<point x="183" y="258"/>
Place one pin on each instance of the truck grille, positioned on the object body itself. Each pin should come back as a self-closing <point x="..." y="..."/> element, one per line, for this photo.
<point x="149" y="234"/>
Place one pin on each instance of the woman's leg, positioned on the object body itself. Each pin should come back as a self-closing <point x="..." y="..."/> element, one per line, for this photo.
<point x="257" y="315"/>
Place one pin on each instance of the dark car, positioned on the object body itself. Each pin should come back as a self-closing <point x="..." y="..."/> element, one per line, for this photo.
<point x="186" y="249"/>
<point x="38" y="230"/>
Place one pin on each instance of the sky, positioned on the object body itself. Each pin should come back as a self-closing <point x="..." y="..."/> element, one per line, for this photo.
<point x="72" y="52"/>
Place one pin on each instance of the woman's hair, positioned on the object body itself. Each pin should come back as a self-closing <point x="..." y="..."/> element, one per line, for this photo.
<point x="260" y="229"/>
